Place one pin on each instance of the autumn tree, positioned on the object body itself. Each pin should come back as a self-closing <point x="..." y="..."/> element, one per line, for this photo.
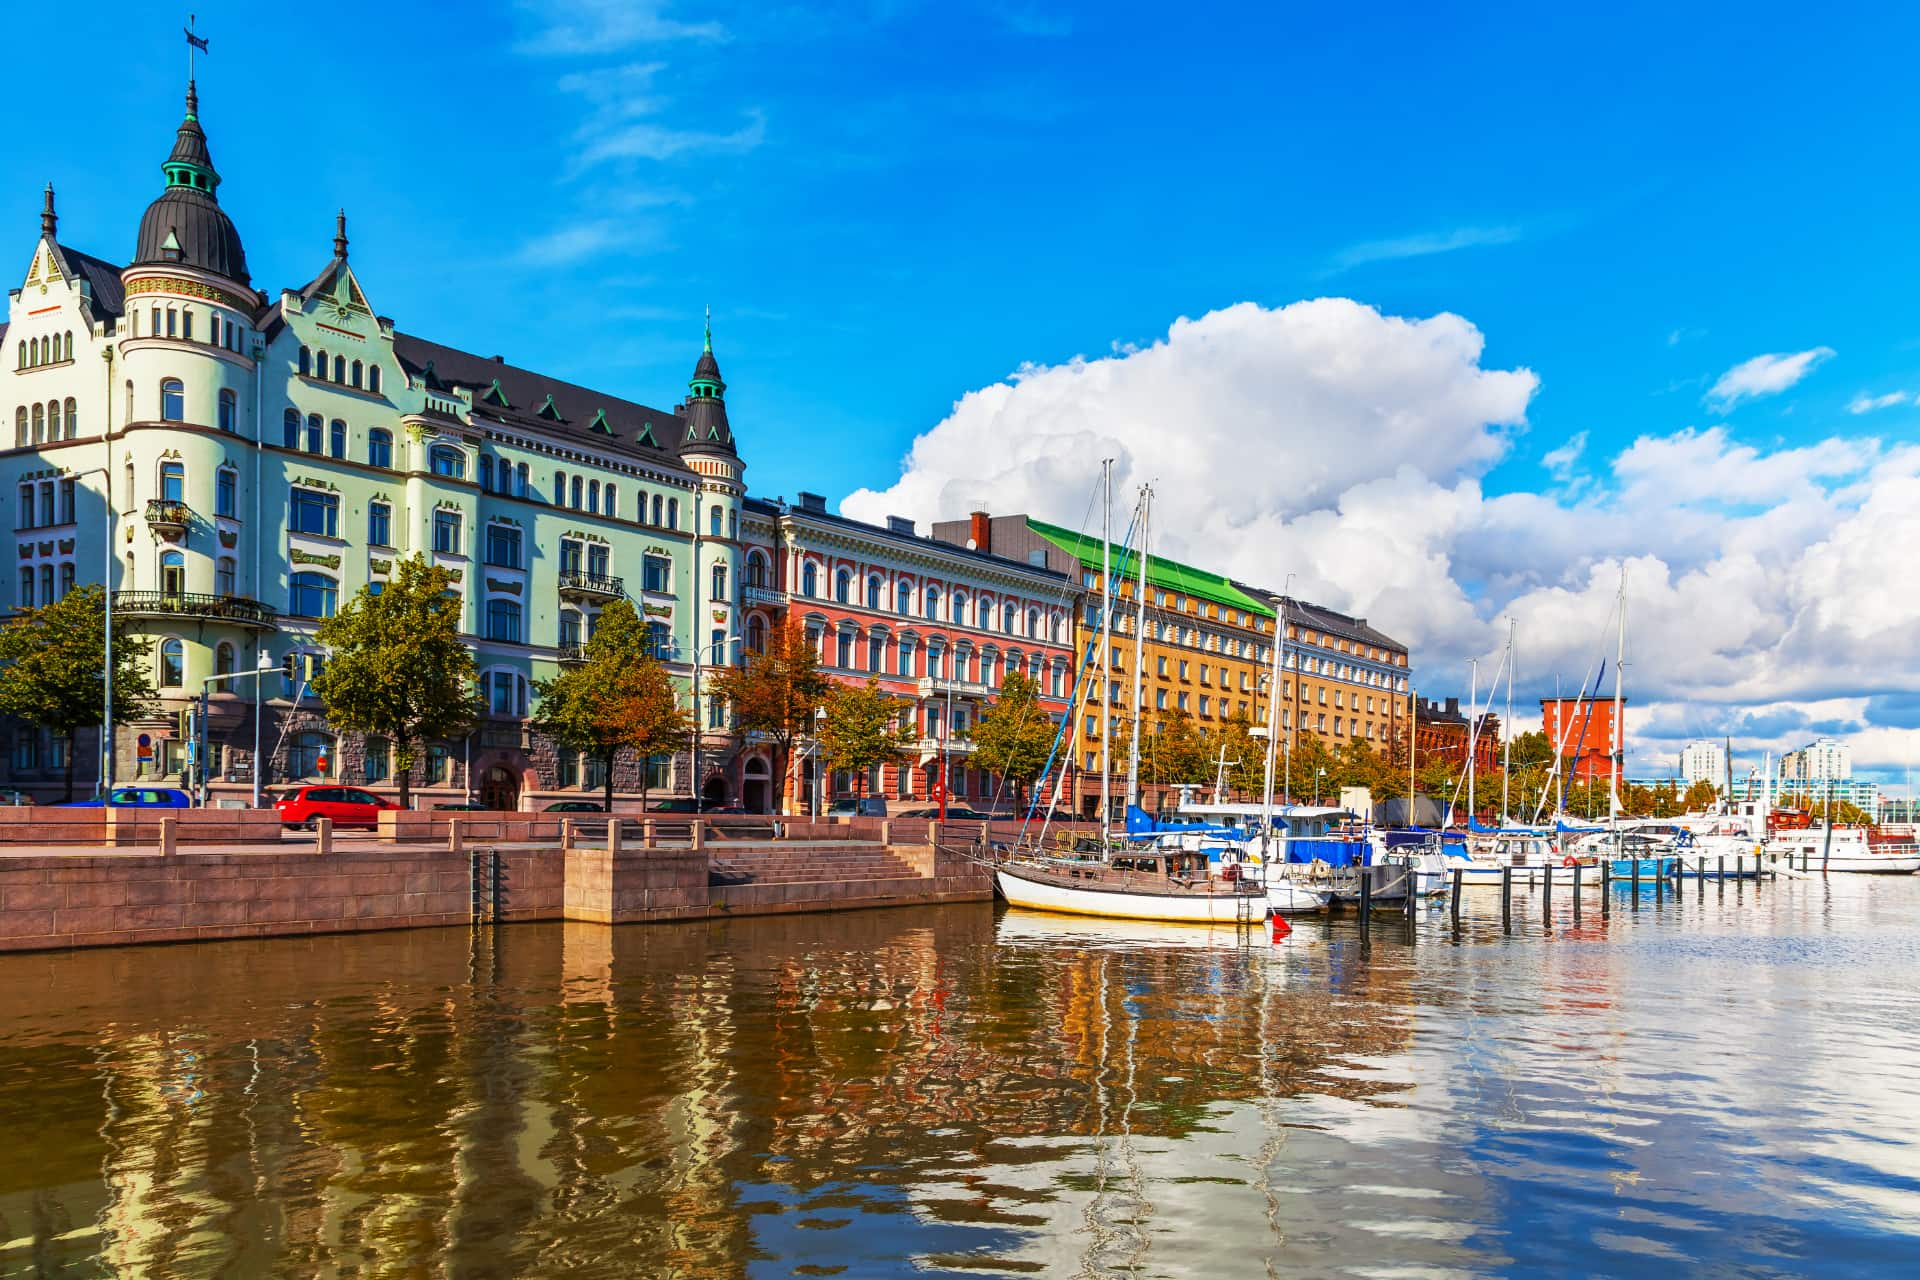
<point x="1233" y="744"/>
<point x="1015" y="736"/>
<point x="864" y="727"/>
<point x="396" y="665"/>
<point x="617" y="699"/>
<point x="51" y="660"/>
<point x="775" y="692"/>
<point x="1700" y="796"/>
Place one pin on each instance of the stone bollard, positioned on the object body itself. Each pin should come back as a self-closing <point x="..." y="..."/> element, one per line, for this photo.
<point x="613" y="834"/>
<point x="324" y="839"/>
<point x="886" y="832"/>
<point x="455" y="840"/>
<point x="169" y="835"/>
<point x="566" y="833"/>
<point x="933" y="833"/>
<point x="646" y="833"/>
<point x="699" y="833"/>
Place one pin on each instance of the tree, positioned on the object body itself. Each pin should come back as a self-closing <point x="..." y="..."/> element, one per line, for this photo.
<point x="775" y="692"/>
<point x="619" y="698"/>
<point x="51" y="660"/>
<point x="863" y="728"/>
<point x="1015" y="736"/>
<point x="396" y="665"/>
<point x="1245" y="756"/>
<point x="1532" y="747"/>
<point x="1701" y="795"/>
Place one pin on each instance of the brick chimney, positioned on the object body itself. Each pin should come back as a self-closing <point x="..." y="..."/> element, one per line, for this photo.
<point x="1453" y="706"/>
<point x="981" y="531"/>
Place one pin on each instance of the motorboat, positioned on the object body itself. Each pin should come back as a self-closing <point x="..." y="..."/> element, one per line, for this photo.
<point x="1850" y="850"/>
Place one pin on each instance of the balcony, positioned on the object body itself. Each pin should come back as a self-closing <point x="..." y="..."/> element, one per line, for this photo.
<point x="931" y="686"/>
<point x="168" y="518"/>
<point x="195" y="604"/>
<point x="764" y="595"/>
<point x="572" y="654"/>
<point x="575" y="585"/>
<point x="930" y="748"/>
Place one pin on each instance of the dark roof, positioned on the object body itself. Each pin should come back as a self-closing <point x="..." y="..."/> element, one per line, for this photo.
<point x="534" y="400"/>
<point x="1330" y="622"/>
<point x="761" y="506"/>
<point x="102" y="277"/>
<point x="203" y="235"/>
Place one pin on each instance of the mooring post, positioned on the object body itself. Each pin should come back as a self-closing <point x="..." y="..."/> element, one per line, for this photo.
<point x="1659" y="881"/>
<point x="1366" y="897"/>
<point x="1546" y="895"/>
<point x="1576" y="894"/>
<point x="1459" y="875"/>
<point x="1506" y="899"/>
<point x="1412" y="883"/>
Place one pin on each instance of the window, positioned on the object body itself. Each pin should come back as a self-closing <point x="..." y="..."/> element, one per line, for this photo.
<point x="809" y="579"/>
<point x="305" y="754"/>
<point x="505" y="695"/>
<point x="353" y="375"/>
<point x="597" y="553"/>
<point x="933" y="601"/>
<point x="66" y="580"/>
<point x="756" y="634"/>
<point x="520" y="480"/>
<point x="316" y="513"/>
<point x="713" y="520"/>
<point x="593" y="496"/>
<point x="373" y="378"/>
<point x="337" y="439"/>
<point x="173" y="664"/>
<point x="375" y="755"/>
<point x="313" y="433"/>
<point x="657" y="517"/>
<point x="226" y="484"/>
<point x="46" y="584"/>
<point x="569" y="556"/>
<point x="229" y="410"/>
<point x="486" y="472"/>
<point x="379" y="524"/>
<point x="312" y="595"/>
<point x="339" y="368"/>
<point x="574" y="491"/>
<point x="380" y="448"/>
<point x="559" y="488"/>
<point x="173" y="401"/>
<point x="224" y="575"/>
<point x="290" y="428"/>
<point x="656" y="574"/>
<point x="306" y="362"/>
<point x="673" y="513"/>
<point x="843" y="650"/>
<point x="26" y="587"/>
<point x="873" y="593"/>
<point x="223" y="659"/>
<point x="445" y="460"/>
<point x="719" y="576"/>
<point x="503" y="620"/>
<point x="906" y="657"/>
<point x="173" y="483"/>
<point x="446" y="532"/>
<point x="53" y="420"/>
<point x="843" y="587"/>
<point x="503" y="546"/>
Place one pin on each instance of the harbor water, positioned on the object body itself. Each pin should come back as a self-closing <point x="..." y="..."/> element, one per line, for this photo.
<point x="1725" y="1082"/>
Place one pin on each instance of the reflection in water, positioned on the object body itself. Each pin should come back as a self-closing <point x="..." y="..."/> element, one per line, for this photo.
<point x="1718" y="1080"/>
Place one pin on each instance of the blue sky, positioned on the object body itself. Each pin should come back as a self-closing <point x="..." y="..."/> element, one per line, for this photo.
<point x="891" y="206"/>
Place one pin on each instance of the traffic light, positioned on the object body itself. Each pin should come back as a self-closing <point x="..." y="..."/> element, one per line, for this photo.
<point x="184" y="729"/>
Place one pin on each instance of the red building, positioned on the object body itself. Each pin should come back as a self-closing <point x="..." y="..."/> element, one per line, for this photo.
<point x="1582" y="730"/>
<point x="936" y="625"/>
<point x="1442" y="732"/>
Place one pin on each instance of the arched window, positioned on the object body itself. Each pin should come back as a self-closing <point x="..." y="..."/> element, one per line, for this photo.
<point x="756" y="634"/>
<point x="320" y="364"/>
<point x="173" y="482"/>
<point x="380" y="448"/>
<point x="353" y="377"/>
<point x="873" y="592"/>
<point x="73" y="423"/>
<point x="173" y="400"/>
<point x="520" y="480"/>
<point x="173" y="664"/>
<point x="809" y="579"/>
<point x="1006" y="619"/>
<point x="486" y="472"/>
<point x="445" y="460"/>
<point x="733" y="524"/>
<point x="1033" y="622"/>
<point x="339" y="368"/>
<point x="290" y="428"/>
<point x="39" y="423"/>
<point x="26" y="587"/>
<point x="673" y="513"/>
<point x="612" y="503"/>
<point x="719" y="576"/>
<point x="337" y="439"/>
<point x="659" y="641"/>
<point x="53" y="420"/>
<point x="373" y="378"/>
<point x="69" y="352"/>
<point x="223" y="658"/>
<point x="503" y="621"/>
<point x="229" y="410"/>
<point x="559" y="488"/>
<point x="933" y="602"/>
<point x="223" y="582"/>
<point x="843" y="587"/>
<point x="593" y="496"/>
<point x="23" y="355"/>
<point x="306" y="362"/>
<point x="573" y="492"/>
<point x="757" y="570"/>
<point x="312" y="595"/>
<point x="713" y="520"/>
<point x="314" y="433"/>
<point x="33" y="352"/>
<point x="20" y="426"/>
<point x="657" y="518"/>
<point x="959" y="608"/>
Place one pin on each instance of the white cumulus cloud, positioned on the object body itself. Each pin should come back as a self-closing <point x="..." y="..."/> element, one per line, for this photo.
<point x="1864" y="403"/>
<point x="1764" y="376"/>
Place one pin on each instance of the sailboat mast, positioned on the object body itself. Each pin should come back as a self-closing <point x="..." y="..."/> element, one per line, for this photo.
<point x="1273" y="719"/>
<point x="1506" y="731"/>
<point x="1106" y="634"/>
<point x="1473" y="733"/>
<point x="1413" y="743"/>
<point x="1619" y="724"/>
<point x="1139" y="641"/>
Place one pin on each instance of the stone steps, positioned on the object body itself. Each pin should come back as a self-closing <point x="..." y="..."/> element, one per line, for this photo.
<point x="812" y="866"/>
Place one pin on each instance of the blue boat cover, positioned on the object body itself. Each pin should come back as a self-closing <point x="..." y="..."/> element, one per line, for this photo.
<point x="1335" y="853"/>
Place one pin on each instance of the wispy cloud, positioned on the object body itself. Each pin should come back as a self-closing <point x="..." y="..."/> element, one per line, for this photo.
<point x="625" y="121"/>
<point x="1422" y="245"/>
<point x="1560" y="462"/>
<point x="605" y="26"/>
<point x="581" y="240"/>
<point x="649" y="140"/>
<point x="1026" y="20"/>
<point x="1764" y="376"/>
<point x="1683" y="334"/>
<point x="1864" y="403"/>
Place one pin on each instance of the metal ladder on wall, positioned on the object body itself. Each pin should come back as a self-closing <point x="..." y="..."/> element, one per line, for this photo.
<point x="485" y="881"/>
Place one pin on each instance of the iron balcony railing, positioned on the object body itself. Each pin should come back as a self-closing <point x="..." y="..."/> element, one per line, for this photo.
<point x="194" y="604"/>
<point x="166" y="511"/>
<point x="575" y="582"/>
<point x="573" y="653"/>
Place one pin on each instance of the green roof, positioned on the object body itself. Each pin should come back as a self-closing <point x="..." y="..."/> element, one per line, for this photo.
<point x="1168" y="575"/>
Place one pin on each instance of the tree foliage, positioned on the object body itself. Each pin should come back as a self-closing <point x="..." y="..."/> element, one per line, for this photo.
<point x="775" y="692"/>
<point x="1701" y="795"/>
<point x="1015" y="736"/>
<point x="617" y="699"/>
<point x="52" y="660"/>
<point x="864" y="727"/>
<point x="396" y="665"/>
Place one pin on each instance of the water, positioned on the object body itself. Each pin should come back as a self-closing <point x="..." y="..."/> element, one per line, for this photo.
<point x="1710" y="1086"/>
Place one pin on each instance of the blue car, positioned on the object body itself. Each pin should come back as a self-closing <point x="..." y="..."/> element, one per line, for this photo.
<point x="139" y="798"/>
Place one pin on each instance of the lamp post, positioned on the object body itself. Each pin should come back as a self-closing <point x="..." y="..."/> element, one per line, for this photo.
<point x="693" y="783"/>
<point x="106" y="591"/>
<point x="819" y="723"/>
<point x="262" y="666"/>
<point x="1317" y="775"/>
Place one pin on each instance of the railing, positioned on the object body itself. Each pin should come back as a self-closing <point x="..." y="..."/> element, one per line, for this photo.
<point x="195" y="604"/>
<point x="930" y="685"/>
<point x="764" y="595"/>
<point x="592" y="584"/>
<point x="573" y="653"/>
<point x="165" y="511"/>
<point x="952" y="746"/>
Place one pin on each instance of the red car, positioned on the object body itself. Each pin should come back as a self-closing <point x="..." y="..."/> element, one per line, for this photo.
<point x="347" y="806"/>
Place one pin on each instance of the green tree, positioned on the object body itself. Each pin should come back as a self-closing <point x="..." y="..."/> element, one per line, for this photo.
<point x="1244" y="754"/>
<point x="864" y="727"/>
<point x="1173" y="751"/>
<point x="775" y="692"/>
<point x="51" y="660"/>
<point x="1532" y="747"/>
<point x="396" y="665"/>
<point x="618" y="698"/>
<point x="1701" y="795"/>
<point x="1301" y="766"/>
<point x="1015" y="736"/>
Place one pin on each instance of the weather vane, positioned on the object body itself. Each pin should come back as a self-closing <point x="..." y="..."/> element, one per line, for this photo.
<point x="194" y="42"/>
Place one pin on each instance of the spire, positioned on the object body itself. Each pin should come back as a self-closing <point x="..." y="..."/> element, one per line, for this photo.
<point x="340" y="236"/>
<point x="49" y="220"/>
<point x="193" y="102"/>
<point x="709" y="346"/>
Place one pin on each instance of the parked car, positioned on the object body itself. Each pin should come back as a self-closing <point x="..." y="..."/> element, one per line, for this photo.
<point x="685" y="804"/>
<point x="458" y="806"/>
<point x="955" y="813"/>
<point x="13" y="797"/>
<point x="858" y="807"/>
<point x="138" y="798"/>
<point x="576" y="806"/>
<point x="346" y="806"/>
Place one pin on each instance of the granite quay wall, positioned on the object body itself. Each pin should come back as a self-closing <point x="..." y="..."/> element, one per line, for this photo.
<point x="124" y="828"/>
<point x="465" y="868"/>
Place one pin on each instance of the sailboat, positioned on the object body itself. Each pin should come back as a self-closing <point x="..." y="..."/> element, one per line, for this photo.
<point x="1142" y="877"/>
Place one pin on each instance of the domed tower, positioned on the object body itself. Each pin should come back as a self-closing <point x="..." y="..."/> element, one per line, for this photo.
<point x="707" y="449"/>
<point x="183" y="417"/>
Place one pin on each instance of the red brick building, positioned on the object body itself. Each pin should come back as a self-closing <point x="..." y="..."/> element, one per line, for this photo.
<point x="1582" y="730"/>
<point x="1443" y="731"/>
<point x="938" y="626"/>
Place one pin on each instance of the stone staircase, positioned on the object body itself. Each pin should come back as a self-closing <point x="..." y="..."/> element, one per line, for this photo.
<point x="815" y="863"/>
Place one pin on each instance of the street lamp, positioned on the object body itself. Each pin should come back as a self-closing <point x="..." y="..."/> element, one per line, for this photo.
<point x="693" y="783"/>
<point x="262" y="666"/>
<point x="819" y="724"/>
<point x="106" y="591"/>
<point x="1317" y="775"/>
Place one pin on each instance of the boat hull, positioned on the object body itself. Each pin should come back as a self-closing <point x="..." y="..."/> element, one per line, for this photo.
<point x="1866" y="864"/>
<point x="1041" y="894"/>
<point x="1288" y="897"/>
